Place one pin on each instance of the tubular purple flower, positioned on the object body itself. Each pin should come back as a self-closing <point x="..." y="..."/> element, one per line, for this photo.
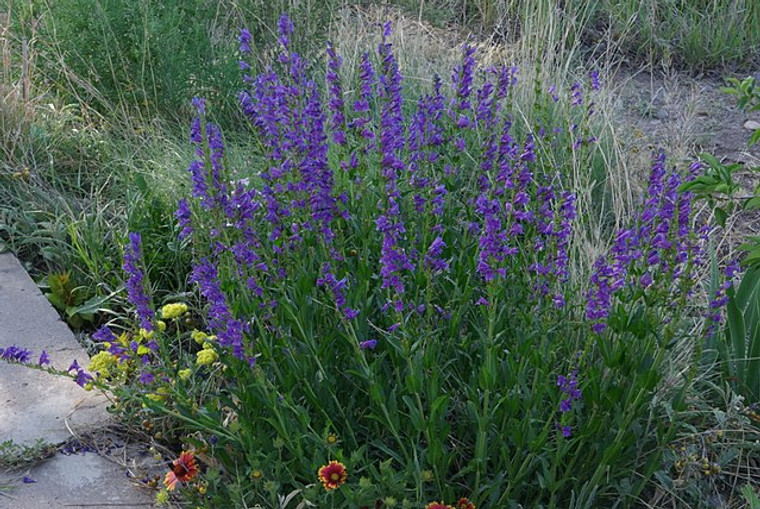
<point x="285" y="30"/>
<point x="245" y="41"/>
<point x="228" y="330"/>
<point x="104" y="334"/>
<point x="462" y="78"/>
<point x="15" y="353"/>
<point x="594" y="80"/>
<point x="183" y="215"/>
<point x="136" y="281"/>
<point x="44" y="359"/>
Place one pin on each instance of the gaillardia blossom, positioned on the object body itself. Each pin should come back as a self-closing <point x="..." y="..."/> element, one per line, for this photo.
<point x="332" y="475"/>
<point x="184" y="469"/>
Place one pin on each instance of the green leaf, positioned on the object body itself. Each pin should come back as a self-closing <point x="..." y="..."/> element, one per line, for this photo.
<point x="753" y="203"/>
<point x="56" y="300"/>
<point x="720" y="216"/>
<point x="753" y="361"/>
<point x="754" y="138"/>
<point x="736" y="335"/>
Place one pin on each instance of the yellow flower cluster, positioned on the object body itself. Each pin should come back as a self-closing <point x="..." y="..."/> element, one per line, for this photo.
<point x="206" y="356"/>
<point x="101" y="364"/>
<point x="174" y="310"/>
<point x="200" y="337"/>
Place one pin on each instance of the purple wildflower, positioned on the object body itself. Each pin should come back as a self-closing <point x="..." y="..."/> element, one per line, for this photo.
<point x="136" y="281"/>
<point x="594" y="79"/>
<point x="370" y="344"/>
<point x="104" y="334"/>
<point x="15" y="353"/>
<point x="44" y="359"/>
<point x="245" y="41"/>
<point x="228" y="329"/>
<point x="82" y="378"/>
<point x="569" y="387"/>
<point x="183" y="215"/>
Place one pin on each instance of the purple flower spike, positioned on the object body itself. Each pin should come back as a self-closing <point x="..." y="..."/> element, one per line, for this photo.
<point x="136" y="281"/>
<point x="183" y="215"/>
<point x="15" y="354"/>
<point x="245" y="41"/>
<point x="594" y="79"/>
<point x="285" y="29"/>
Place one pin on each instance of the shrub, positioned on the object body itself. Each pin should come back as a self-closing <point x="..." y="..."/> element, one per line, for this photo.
<point x="393" y="311"/>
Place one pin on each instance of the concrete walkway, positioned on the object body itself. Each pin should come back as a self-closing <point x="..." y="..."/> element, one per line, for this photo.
<point x="35" y="405"/>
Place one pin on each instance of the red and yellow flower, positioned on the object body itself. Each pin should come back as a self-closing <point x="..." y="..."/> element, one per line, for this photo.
<point x="332" y="475"/>
<point x="465" y="504"/>
<point x="438" y="505"/>
<point x="183" y="470"/>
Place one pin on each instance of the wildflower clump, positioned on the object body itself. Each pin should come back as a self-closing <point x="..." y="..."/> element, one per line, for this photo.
<point x="406" y="273"/>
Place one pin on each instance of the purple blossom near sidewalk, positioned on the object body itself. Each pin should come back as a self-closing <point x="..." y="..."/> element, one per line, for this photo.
<point x="44" y="359"/>
<point x="104" y="334"/>
<point x="15" y="353"/>
<point x="136" y="281"/>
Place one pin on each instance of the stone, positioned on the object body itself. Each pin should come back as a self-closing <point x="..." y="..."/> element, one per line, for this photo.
<point x="751" y="125"/>
<point x="38" y="405"/>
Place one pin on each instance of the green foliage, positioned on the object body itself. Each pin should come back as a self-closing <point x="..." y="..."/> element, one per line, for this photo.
<point x="71" y="300"/>
<point x="148" y="58"/>
<point x="748" y="94"/>
<point x="716" y="186"/>
<point x="696" y="34"/>
<point x="15" y="456"/>
<point x="456" y="387"/>
<point x="739" y="351"/>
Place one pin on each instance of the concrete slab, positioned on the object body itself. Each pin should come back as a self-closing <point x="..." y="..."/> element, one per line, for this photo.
<point x="78" y="480"/>
<point x="36" y="405"/>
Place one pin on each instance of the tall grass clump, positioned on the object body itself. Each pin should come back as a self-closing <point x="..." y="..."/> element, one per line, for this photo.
<point x="697" y="35"/>
<point x="147" y="59"/>
<point x="392" y="308"/>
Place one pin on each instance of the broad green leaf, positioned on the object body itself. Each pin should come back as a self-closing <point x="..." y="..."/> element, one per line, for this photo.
<point x="737" y="335"/>
<point x="754" y="138"/>
<point x="753" y="361"/>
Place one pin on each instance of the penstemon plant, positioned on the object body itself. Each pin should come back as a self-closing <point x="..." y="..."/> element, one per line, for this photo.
<point x="392" y="309"/>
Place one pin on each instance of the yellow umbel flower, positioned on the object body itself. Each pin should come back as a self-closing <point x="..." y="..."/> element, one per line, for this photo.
<point x="198" y="336"/>
<point x="206" y="356"/>
<point x="146" y="334"/>
<point x="173" y="310"/>
<point x="184" y="374"/>
<point x="161" y="325"/>
<point x="101" y="364"/>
